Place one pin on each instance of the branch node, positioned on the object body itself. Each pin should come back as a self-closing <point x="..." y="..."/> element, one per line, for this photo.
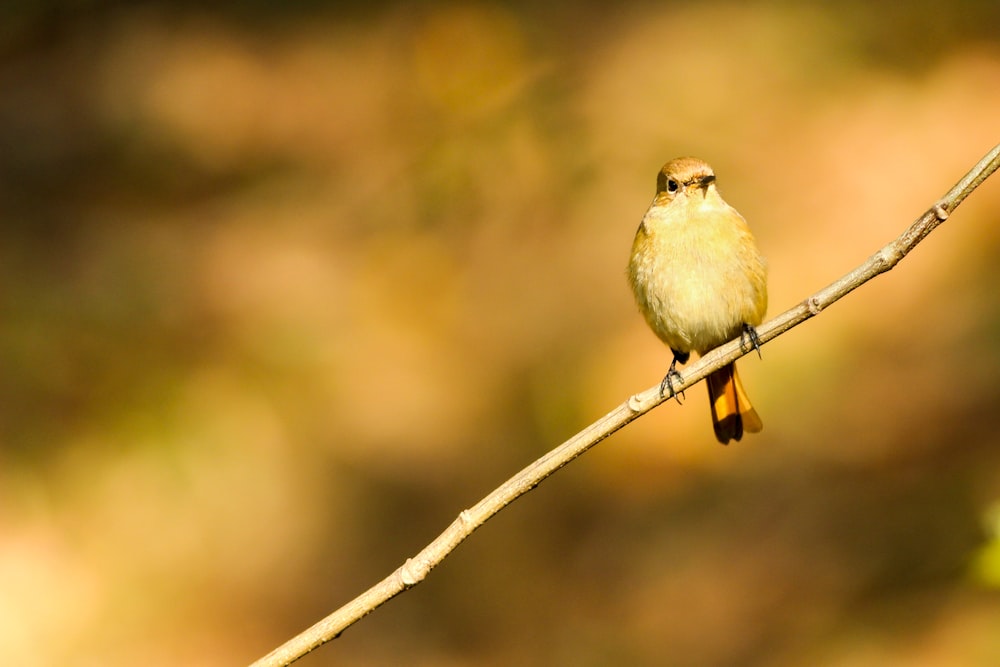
<point x="465" y="518"/>
<point x="812" y="303"/>
<point x="889" y="256"/>
<point x="940" y="212"/>
<point x="635" y="403"/>
<point x="407" y="576"/>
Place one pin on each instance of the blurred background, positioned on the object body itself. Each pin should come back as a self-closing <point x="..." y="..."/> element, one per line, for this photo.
<point x="284" y="287"/>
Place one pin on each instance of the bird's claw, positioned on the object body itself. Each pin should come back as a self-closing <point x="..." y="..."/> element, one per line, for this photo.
<point x="749" y="334"/>
<point x="668" y="385"/>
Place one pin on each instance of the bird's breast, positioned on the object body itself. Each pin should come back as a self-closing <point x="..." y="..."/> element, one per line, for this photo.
<point x="697" y="275"/>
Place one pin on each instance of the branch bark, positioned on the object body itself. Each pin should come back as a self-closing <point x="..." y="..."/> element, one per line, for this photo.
<point x="415" y="569"/>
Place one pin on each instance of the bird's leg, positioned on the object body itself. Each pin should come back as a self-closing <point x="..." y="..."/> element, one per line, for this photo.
<point x="672" y="375"/>
<point x="750" y="334"/>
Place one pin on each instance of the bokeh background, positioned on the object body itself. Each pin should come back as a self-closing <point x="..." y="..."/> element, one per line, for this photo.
<point x="285" y="286"/>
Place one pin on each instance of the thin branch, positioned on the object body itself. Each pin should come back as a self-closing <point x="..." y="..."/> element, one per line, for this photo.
<point x="415" y="569"/>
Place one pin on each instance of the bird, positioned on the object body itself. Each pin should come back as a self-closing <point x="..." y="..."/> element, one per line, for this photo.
<point x="699" y="281"/>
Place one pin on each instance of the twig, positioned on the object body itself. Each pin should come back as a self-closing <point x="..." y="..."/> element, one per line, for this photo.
<point x="415" y="569"/>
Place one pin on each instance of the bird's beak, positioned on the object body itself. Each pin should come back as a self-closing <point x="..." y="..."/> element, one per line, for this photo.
<point x="704" y="182"/>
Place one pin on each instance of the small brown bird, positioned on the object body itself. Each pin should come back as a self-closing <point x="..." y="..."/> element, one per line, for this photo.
<point x="700" y="281"/>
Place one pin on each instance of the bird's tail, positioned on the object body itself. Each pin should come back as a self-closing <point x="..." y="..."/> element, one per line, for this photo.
<point x="732" y="413"/>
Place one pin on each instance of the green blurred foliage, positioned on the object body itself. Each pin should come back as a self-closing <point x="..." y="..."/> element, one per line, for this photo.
<point x="284" y="287"/>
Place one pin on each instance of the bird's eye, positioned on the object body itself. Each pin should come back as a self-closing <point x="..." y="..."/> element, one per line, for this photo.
<point x="672" y="185"/>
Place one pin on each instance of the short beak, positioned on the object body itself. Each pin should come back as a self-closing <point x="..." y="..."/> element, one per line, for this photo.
<point x="704" y="182"/>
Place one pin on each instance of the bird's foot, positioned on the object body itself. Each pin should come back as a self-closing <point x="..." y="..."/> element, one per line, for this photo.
<point x="749" y="334"/>
<point x="667" y="386"/>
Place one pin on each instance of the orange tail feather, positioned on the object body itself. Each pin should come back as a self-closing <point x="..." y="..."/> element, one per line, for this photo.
<point x="732" y="413"/>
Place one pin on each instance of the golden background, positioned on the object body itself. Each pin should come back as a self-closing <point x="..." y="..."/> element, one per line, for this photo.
<point x="283" y="289"/>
